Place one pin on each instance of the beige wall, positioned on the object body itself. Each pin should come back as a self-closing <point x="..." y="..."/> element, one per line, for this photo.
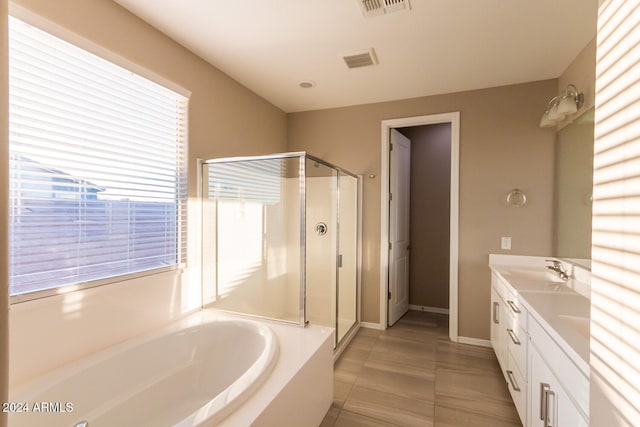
<point x="4" y="176"/>
<point x="501" y="148"/>
<point x="430" y="200"/>
<point x="219" y="110"/>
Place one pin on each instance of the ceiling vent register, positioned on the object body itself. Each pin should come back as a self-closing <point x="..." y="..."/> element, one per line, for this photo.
<point x="380" y="7"/>
<point x="361" y="58"/>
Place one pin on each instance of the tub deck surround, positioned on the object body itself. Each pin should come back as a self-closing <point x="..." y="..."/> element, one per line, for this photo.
<point x="194" y="372"/>
<point x="299" y="390"/>
<point x="561" y="307"/>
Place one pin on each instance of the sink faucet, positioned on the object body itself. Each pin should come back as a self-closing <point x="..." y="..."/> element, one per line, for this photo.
<point x="558" y="268"/>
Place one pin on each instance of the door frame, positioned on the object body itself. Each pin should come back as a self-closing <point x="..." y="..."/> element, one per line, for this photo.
<point x="386" y="126"/>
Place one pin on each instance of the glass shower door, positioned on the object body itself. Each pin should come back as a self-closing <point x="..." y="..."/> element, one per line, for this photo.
<point x="347" y="254"/>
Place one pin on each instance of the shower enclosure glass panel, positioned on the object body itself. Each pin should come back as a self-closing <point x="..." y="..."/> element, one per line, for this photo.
<point x="321" y="191"/>
<point x="252" y="237"/>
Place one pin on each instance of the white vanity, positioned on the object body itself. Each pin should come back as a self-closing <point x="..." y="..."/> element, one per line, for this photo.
<point x="540" y="324"/>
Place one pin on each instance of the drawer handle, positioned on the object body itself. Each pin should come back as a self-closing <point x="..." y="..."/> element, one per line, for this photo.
<point x="514" y="307"/>
<point x="514" y="337"/>
<point x="495" y="313"/>
<point x="551" y="396"/>
<point x="512" y="380"/>
<point x="544" y="402"/>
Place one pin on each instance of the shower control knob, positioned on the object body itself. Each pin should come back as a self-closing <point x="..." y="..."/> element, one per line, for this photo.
<point x="321" y="228"/>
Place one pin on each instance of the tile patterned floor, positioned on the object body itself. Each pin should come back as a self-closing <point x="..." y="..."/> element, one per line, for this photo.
<point x="412" y="375"/>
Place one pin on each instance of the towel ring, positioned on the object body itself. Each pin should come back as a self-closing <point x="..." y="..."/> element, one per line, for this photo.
<point x="516" y="198"/>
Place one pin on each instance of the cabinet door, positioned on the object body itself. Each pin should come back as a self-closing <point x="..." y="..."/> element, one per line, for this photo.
<point x="549" y="404"/>
<point x="499" y="317"/>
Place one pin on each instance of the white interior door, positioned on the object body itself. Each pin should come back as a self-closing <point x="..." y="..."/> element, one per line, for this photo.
<point x="399" y="232"/>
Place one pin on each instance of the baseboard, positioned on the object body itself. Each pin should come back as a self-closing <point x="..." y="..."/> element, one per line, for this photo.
<point x="372" y="325"/>
<point x="474" y="341"/>
<point x="462" y="340"/>
<point x="437" y="310"/>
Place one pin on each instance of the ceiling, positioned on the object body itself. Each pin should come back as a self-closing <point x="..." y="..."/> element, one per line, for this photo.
<point x="438" y="46"/>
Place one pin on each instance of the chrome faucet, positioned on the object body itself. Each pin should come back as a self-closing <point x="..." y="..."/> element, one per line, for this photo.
<point x="558" y="268"/>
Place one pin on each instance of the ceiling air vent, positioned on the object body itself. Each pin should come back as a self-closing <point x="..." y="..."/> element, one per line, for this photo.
<point x="379" y="7"/>
<point x="361" y="58"/>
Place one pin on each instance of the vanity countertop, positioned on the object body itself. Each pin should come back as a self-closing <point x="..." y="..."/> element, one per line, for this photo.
<point x="556" y="305"/>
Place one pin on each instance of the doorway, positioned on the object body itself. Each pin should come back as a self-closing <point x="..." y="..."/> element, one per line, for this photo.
<point x="389" y="217"/>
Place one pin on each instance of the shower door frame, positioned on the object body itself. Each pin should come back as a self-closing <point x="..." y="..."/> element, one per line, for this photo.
<point x="302" y="155"/>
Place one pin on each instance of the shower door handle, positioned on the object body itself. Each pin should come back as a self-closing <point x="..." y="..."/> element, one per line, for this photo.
<point x="340" y="261"/>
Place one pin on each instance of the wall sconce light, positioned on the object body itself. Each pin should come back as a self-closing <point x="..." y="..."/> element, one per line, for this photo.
<point x="561" y="106"/>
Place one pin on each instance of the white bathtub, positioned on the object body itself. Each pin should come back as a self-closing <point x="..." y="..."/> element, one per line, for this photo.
<point x="192" y="373"/>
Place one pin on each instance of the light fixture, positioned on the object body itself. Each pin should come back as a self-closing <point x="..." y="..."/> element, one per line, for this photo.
<point x="567" y="103"/>
<point x="554" y="113"/>
<point x="546" y="121"/>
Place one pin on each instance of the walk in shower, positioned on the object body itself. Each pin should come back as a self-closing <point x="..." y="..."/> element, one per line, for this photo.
<point x="280" y="239"/>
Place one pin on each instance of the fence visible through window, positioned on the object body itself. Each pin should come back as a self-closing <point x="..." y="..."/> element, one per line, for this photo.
<point x="97" y="167"/>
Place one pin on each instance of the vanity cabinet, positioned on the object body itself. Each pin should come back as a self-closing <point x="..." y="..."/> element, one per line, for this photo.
<point x="509" y="339"/>
<point x="540" y="354"/>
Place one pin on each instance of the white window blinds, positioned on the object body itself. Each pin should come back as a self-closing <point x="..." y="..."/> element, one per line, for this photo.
<point x="615" y="252"/>
<point x="97" y="167"/>
<point x="254" y="180"/>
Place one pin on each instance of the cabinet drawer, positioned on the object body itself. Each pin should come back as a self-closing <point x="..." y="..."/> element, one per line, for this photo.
<point x="518" y="389"/>
<point x="517" y="311"/>
<point x="517" y="342"/>
<point x="515" y="326"/>
<point x="500" y="287"/>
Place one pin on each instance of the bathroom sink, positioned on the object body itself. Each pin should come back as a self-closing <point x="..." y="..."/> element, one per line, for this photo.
<point x="563" y="305"/>
<point x="581" y="325"/>
<point x="536" y="274"/>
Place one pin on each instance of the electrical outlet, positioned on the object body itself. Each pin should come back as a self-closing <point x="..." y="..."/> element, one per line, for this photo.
<point x="505" y="243"/>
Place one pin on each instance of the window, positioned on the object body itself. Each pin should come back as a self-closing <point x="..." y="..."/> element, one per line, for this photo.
<point x="97" y="168"/>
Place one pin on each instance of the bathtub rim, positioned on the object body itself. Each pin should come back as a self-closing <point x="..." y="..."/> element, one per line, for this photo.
<point x="267" y="359"/>
<point x="243" y="387"/>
